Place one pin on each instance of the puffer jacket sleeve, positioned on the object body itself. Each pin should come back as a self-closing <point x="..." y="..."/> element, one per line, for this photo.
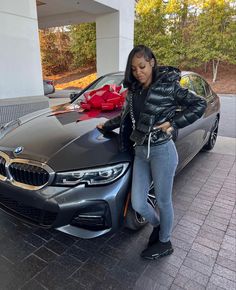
<point x="112" y="124"/>
<point x="115" y="122"/>
<point x="194" y="107"/>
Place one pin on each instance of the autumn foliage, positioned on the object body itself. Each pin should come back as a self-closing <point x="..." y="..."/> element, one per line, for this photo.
<point x="183" y="33"/>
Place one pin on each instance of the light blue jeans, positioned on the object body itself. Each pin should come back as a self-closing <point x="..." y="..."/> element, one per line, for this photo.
<point x="159" y="167"/>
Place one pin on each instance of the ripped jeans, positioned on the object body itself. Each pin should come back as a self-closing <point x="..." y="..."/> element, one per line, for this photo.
<point x="160" y="167"/>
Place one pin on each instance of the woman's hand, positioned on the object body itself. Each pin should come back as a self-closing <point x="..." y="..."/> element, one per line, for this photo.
<point x="100" y="126"/>
<point x="165" y="127"/>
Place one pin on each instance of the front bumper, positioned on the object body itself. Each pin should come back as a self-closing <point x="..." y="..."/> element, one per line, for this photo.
<point x="81" y="211"/>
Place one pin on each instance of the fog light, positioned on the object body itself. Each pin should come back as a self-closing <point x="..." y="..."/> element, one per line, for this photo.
<point x="93" y="215"/>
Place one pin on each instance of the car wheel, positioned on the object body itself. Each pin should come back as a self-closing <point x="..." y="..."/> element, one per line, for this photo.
<point x="213" y="136"/>
<point x="134" y="221"/>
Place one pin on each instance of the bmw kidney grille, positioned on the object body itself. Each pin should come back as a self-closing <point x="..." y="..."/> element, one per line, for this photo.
<point x="28" y="174"/>
<point x="24" y="173"/>
<point x="2" y="167"/>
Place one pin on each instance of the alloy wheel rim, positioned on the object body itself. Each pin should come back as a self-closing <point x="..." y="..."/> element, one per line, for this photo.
<point x="140" y="219"/>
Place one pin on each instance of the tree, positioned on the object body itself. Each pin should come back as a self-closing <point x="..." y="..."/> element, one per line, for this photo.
<point x="188" y="32"/>
<point x="162" y="25"/>
<point x="213" y="37"/>
<point x="151" y="29"/>
<point x="83" y="43"/>
<point x="55" y="50"/>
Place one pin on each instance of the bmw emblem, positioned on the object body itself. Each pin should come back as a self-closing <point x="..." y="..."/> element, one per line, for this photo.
<point x="18" y="150"/>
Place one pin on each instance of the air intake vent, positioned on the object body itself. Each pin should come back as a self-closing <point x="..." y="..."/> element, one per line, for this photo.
<point x="2" y="166"/>
<point x="28" y="174"/>
<point x="33" y="214"/>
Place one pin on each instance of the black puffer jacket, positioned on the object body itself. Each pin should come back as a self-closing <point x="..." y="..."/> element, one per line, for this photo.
<point x="164" y="96"/>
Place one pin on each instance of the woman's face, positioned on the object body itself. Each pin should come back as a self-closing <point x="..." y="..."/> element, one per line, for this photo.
<point x="142" y="70"/>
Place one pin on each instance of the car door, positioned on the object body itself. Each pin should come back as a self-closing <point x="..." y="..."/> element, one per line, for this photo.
<point x="212" y="107"/>
<point x="190" y="138"/>
<point x="201" y="88"/>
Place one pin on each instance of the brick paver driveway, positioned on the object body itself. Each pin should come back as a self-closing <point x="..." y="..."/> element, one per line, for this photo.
<point x="203" y="239"/>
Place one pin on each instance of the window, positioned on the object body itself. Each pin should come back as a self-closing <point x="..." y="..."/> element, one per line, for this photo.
<point x="185" y="83"/>
<point x="207" y="89"/>
<point x="198" y="85"/>
<point x="113" y="79"/>
<point x="109" y="80"/>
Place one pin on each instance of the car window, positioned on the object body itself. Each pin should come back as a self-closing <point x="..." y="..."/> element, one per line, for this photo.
<point x="185" y="83"/>
<point x="106" y="80"/>
<point x="207" y="89"/>
<point x="198" y="85"/>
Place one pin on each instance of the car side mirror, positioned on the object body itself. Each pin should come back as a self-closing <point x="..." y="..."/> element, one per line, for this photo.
<point x="73" y="96"/>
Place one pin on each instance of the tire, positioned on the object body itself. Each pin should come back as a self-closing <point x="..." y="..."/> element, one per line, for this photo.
<point x="134" y="221"/>
<point x="213" y="136"/>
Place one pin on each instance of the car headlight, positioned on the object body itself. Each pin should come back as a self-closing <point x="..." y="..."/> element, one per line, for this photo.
<point x="96" y="176"/>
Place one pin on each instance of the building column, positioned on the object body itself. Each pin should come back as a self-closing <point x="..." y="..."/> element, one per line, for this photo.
<point x="20" y="69"/>
<point x="115" y="33"/>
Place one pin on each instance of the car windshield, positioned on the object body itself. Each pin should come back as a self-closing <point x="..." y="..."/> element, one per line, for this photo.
<point x="115" y="79"/>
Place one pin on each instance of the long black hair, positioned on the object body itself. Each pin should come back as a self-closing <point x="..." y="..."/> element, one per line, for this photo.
<point x="141" y="51"/>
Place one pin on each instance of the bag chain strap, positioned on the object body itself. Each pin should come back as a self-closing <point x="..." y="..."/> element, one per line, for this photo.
<point x="132" y="111"/>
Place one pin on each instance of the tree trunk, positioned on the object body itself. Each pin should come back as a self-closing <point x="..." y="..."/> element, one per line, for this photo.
<point x="184" y="13"/>
<point x="215" y="64"/>
<point x="205" y="66"/>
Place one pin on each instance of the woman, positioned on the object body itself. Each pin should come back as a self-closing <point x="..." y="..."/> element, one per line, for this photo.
<point x="149" y="120"/>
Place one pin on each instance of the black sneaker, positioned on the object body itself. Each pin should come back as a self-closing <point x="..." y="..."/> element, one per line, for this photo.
<point x="154" y="237"/>
<point x="157" y="250"/>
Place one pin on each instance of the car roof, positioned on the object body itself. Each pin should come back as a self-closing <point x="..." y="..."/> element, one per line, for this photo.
<point x="183" y="73"/>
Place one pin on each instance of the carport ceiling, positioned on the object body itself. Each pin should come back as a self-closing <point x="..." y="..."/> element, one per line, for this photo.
<point x="64" y="12"/>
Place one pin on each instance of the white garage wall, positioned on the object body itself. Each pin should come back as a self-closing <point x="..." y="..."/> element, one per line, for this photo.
<point x="20" y="69"/>
<point x="114" y="33"/>
<point x="21" y="86"/>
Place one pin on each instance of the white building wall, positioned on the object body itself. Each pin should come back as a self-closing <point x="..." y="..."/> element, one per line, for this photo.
<point x="20" y="69"/>
<point x="115" y="33"/>
<point x="21" y="86"/>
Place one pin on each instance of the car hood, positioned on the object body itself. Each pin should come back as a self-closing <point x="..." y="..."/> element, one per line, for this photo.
<point x="64" y="138"/>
